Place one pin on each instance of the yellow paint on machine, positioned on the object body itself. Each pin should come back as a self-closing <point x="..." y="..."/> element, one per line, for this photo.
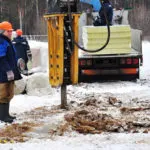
<point x="55" y="49"/>
<point x="55" y="23"/>
<point x="74" y="57"/>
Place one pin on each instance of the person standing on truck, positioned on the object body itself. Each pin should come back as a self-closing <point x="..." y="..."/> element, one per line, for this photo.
<point x="106" y="8"/>
<point x="22" y="49"/>
<point x="8" y="71"/>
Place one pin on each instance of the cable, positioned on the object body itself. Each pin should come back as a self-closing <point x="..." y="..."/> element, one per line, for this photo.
<point x="108" y="29"/>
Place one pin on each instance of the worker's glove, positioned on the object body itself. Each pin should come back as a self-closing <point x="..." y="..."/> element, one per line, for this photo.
<point x="97" y="21"/>
<point x="10" y="75"/>
<point x="30" y="57"/>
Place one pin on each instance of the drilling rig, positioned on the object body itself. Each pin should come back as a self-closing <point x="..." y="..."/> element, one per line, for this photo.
<point x="65" y="65"/>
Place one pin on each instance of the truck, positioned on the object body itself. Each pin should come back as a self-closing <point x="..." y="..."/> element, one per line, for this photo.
<point x="113" y="65"/>
<point x="67" y="67"/>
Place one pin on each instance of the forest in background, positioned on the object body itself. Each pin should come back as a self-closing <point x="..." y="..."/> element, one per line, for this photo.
<point x="28" y="14"/>
<point x="25" y="14"/>
<point x="139" y="12"/>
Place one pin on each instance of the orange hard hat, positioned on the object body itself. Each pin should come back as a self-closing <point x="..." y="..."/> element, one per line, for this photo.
<point x="19" y="32"/>
<point x="5" y="25"/>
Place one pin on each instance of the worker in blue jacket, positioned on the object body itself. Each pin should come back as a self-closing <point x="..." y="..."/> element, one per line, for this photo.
<point x="8" y="71"/>
<point x="107" y="8"/>
<point x="22" y="49"/>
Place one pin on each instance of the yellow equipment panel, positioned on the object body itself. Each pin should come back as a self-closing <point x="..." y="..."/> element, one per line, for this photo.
<point x="55" y="23"/>
<point x="74" y="57"/>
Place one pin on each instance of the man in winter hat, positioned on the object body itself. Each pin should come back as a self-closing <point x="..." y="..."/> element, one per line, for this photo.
<point x="8" y="71"/>
<point x="22" y="49"/>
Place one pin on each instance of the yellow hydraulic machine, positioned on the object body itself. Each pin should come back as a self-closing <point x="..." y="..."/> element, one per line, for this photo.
<point x="57" y="49"/>
<point x="62" y="23"/>
<point x="63" y="54"/>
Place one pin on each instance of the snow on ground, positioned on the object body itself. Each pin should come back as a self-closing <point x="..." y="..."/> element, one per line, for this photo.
<point x="40" y="95"/>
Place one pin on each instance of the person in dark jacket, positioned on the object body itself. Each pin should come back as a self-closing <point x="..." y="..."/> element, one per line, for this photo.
<point x="101" y="20"/>
<point x="8" y="71"/>
<point x="22" y="49"/>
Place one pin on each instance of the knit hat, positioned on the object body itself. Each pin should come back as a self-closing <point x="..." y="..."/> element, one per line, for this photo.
<point x="5" y="25"/>
<point x="19" y="32"/>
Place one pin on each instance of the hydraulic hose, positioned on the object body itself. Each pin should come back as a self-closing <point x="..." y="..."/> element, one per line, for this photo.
<point x="108" y="29"/>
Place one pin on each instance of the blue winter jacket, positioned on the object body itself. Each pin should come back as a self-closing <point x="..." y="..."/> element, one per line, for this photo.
<point x="8" y="59"/>
<point x="22" y="47"/>
<point x="109" y="12"/>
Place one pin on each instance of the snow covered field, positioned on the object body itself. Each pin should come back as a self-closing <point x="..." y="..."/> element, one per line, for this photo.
<point x="40" y="106"/>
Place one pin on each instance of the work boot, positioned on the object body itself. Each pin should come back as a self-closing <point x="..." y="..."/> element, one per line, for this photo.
<point x="3" y="114"/>
<point x="7" y="108"/>
<point x="8" y="118"/>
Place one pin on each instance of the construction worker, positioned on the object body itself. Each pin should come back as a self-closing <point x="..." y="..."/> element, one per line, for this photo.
<point x="106" y="8"/>
<point x="8" y="71"/>
<point x="22" y="49"/>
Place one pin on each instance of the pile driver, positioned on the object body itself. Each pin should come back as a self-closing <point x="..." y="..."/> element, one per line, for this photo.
<point x="62" y="21"/>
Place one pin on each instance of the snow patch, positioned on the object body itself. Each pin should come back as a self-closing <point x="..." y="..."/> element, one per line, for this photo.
<point x="38" y="85"/>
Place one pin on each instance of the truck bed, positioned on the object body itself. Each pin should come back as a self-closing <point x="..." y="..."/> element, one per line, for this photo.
<point x="136" y="48"/>
<point x="133" y="53"/>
